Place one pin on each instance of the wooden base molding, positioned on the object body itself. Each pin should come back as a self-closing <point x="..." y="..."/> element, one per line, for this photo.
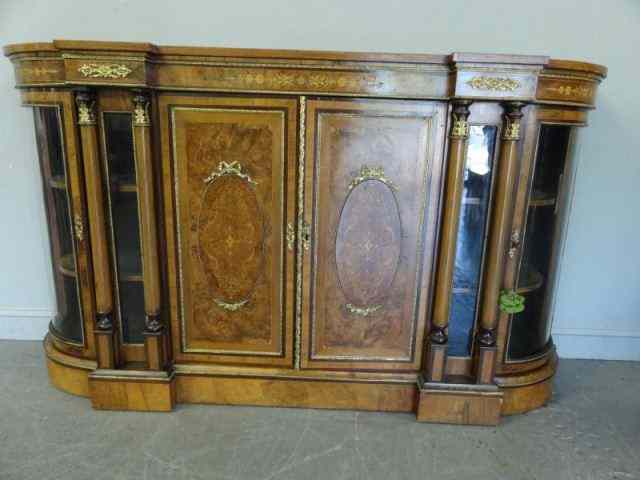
<point x="297" y="393"/>
<point x="530" y="390"/>
<point x="526" y="398"/>
<point x="67" y="373"/>
<point x="459" y="404"/>
<point x="146" y="390"/>
<point x="140" y="390"/>
<point x="68" y="378"/>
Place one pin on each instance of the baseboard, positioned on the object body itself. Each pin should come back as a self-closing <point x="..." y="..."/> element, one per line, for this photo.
<point x="598" y="347"/>
<point x="23" y="323"/>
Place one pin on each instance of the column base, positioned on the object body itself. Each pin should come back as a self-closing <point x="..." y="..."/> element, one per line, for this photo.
<point x="140" y="390"/>
<point x="436" y="362"/>
<point x="460" y="404"/>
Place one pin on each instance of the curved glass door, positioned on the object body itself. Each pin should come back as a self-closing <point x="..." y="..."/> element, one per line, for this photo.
<point x="471" y="236"/>
<point x="531" y="329"/>
<point x="67" y="324"/>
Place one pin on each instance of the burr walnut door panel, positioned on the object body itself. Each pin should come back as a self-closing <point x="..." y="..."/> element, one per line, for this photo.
<point x="372" y="181"/>
<point x="231" y="181"/>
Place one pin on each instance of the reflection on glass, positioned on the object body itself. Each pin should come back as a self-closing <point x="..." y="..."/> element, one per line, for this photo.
<point x="471" y="236"/>
<point x="124" y="219"/>
<point x="132" y="311"/>
<point x="530" y="330"/>
<point x="68" y="321"/>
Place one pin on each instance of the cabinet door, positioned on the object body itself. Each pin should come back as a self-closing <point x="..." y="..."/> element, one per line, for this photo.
<point x="72" y="327"/>
<point x="122" y="200"/>
<point x="229" y="173"/>
<point x="371" y="189"/>
<point x="530" y="331"/>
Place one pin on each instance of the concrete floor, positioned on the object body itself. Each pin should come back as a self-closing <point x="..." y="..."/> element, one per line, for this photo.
<point x="591" y="430"/>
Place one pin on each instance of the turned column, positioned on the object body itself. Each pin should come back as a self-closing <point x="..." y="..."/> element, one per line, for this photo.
<point x="498" y="243"/>
<point x="106" y="349"/>
<point x="438" y="337"/>
<point x="154" y="331"/>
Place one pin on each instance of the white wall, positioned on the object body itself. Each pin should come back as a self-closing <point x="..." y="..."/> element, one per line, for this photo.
<point x="598" y="308"/>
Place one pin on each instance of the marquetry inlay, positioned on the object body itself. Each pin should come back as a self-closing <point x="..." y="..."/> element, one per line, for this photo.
<point x="98" y="70"/>
<point x="571" y="90"/>
<point x="496" y="84"/>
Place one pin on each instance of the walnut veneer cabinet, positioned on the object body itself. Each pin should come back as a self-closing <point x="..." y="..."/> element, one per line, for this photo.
<point x="309" y="229"/>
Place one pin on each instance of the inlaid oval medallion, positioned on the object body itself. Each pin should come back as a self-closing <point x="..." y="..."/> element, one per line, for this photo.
<point x="368" y="244"/>
<point x="230" y="238"/>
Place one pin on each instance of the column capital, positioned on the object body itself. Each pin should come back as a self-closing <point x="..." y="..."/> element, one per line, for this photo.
<point x="459" y="116"/>
<point x="85" y="103"/>
<point x="512" y="116"/>
<point x="141" y="104"/>
<point x="104" y="321"/>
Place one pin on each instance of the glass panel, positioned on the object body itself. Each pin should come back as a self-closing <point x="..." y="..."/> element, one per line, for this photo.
<point x="530" y="330"/>
<point x="51" y="125"/>
<point x="124" y="219"/>
<point x="124" y="207"/>
<point x="132" y="308"/>
<point x="68" y="321"/>
<point x="471" y="235"/>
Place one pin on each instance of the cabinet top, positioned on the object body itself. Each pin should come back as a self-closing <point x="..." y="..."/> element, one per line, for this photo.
<point x="458" y="75"/>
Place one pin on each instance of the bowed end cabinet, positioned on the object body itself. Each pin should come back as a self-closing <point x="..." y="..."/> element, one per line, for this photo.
<point x="306" y="229"/>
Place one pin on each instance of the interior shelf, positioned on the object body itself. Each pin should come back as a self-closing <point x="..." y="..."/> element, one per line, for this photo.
<point x="463" y="290"/>
<point x="530" y="279"/>
<point x="124" y="183"/>
<point x="542" y="199"/>
<point x="67" y="265"/>
<point x="472" y="200"/>
<point x="130" y="277"/>
<point x="58" y="182"/>
<point x="129" y="268"/>
<point x="124" y="187"/>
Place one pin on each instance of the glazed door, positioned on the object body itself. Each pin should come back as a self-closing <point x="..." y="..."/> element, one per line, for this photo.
<point x="63" y="188"/>
<point x="530" y="329"/>
<point x="229" y="175"/>
<point x="372" y="179"/>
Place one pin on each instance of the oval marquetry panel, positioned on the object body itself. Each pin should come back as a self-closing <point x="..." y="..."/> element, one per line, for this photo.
<point x="368" y="243"/>
<point x="230" y="238"/>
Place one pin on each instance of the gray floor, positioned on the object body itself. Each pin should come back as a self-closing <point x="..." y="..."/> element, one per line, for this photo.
<point x="591" y="430"/>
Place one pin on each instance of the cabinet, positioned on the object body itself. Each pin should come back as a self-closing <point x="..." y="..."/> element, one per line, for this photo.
<point x="310" y="229"/>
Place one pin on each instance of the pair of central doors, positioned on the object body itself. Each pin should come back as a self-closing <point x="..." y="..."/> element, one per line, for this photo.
<point x="300" y="232"/>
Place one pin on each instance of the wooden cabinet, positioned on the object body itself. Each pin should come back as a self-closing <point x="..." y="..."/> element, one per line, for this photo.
<point x="311" y="229"/>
